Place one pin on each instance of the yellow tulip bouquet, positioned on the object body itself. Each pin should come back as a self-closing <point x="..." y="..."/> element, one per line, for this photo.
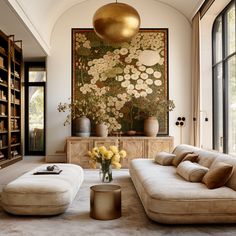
<point x="107" y="158"/>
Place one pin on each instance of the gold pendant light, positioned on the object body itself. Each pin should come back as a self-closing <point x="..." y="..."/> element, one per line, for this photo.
<point x="116" y="22"/>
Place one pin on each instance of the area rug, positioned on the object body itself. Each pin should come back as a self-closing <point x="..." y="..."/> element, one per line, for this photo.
<point x="76" y="220"/>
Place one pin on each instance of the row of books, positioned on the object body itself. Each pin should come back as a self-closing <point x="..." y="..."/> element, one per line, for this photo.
<point x="2" y="50"/>
<point x="2" y="125"/>
<point x="1" y="62"/>
<point x="3" y="109"/>
<point x="14" y="111"/>
<point x="3" y="140"/>
<point x="3" y="95"/>
<point x="14" y="124"/>
<point x="14" y="99"/>
<point x="15" y="84"/>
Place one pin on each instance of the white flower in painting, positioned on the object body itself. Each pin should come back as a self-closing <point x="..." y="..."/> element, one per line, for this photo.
<point x="126" y="70"/>
<point x="136" y="95"/>
<point x="117" y="51"/>
<point x="125" y="84"/>
<point x="139" y="81"/>
<point x="138" y="86"/>
<point x="142" y="68"/>
<point x="127" y="77"/>
<point x="93" y="81"/>
<point x="129" y="91"/>
<point x="149" y="81"/>
<point x="149" y="91"/>
<point x="121" y="115"/>
<point x="90" y="63"/>
<point x="134" y="76"/>
<point x="123" y="51"/>
<point x="143" y="94"/>
<point x="144" y="76"/>
<point x="86" y="44"/>
<point x="134" y="70"/>
<point x="157" y="74"/>
<point x="128" y="60"/>
<point x="120" y="78"/>
<point x="138" y="63"/>
<point x="158" y="82"/>
<point x="130" y="87"/>
<point x="132" y="50"/>
<point x="149" y="71"/>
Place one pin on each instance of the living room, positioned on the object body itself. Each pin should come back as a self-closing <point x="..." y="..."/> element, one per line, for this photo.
<point x="61" y="61"/>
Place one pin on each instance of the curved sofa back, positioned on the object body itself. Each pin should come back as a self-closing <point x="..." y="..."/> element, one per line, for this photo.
<point x="209" y="158"/>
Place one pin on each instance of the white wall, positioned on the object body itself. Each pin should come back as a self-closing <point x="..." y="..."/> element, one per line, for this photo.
<point x="153" y="15"/>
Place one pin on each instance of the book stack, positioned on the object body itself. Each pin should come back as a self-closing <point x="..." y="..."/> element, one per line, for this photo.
<point x="14" y="124"/>
<point x="2" y="109"/>
<point x="2" y="50"/>
<point x="2" y="95"/>
<point x="2" y="125"/>
<point x="1" y="62"/>
<point x="3" y="141"/>
<point x="13" y="111"/>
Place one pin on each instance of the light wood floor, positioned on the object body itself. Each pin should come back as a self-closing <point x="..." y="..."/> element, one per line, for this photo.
<point x="13" y="171"/>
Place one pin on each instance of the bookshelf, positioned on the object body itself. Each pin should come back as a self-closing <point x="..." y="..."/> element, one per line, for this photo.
<point x="10" y="100"/>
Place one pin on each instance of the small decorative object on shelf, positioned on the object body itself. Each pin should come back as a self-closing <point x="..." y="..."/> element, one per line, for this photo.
<point x="106" y="158"/>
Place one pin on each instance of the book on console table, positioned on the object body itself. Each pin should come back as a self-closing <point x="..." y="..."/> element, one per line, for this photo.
<point x="48" y="172"/>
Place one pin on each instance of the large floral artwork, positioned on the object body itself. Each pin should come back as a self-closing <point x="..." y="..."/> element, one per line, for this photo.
<point x="121" y="76"/>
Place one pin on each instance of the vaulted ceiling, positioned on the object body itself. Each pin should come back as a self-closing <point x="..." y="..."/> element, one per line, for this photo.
<point x="40" y="16"/>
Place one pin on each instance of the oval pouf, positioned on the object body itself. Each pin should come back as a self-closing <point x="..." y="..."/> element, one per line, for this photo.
<point x="151" y="126"/>
<point x="83" y="127"/>
<point x="48" y="194"/>
<point x="101" y="130"/>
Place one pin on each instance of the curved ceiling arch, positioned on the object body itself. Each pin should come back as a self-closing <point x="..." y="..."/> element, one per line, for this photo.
<point x="40" y="16"/>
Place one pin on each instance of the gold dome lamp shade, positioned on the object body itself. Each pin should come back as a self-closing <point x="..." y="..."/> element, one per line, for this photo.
<point x="116" y="22"/>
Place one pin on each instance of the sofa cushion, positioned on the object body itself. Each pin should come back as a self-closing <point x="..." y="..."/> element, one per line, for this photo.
<point x="193" y="157"/>
<point x="190" y="171"/>
<point x="229" y="160"/>
<point x="164" y="158"/>
<point x="180" y="155"/>
<point x="218" y="175"/>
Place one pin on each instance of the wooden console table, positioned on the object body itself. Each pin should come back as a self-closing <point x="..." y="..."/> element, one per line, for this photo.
<point x="136" y="147"/>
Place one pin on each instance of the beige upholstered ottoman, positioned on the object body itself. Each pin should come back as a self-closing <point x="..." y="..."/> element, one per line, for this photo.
<point x="43" y="194"/>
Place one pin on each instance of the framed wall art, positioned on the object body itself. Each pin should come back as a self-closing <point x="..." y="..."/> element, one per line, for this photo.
<point x="123" y="79"/>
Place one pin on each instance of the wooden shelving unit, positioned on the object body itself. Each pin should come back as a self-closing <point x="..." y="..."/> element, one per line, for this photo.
<point x="10" y="100"/>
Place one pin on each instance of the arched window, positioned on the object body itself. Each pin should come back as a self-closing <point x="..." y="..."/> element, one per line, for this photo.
<point x="224" y="81"/>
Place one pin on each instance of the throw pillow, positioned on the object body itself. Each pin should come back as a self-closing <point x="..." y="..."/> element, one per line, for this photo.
<point x="218" y="175"/>
<point x="191" y="157"/>
<point x="190" y="171"/>
<point x="164" y="158"/>
<point x="180" y="157"/>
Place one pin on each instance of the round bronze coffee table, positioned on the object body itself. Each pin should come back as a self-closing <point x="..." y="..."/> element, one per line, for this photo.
<point x="105" y="202"/>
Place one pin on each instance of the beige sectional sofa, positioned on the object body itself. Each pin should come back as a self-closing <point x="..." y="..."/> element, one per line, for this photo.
<point x="168" y="198"/>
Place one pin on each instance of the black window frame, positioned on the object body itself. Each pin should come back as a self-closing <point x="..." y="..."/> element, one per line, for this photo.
<point x="29" y="84"/>
<point x="223" y="61"/>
